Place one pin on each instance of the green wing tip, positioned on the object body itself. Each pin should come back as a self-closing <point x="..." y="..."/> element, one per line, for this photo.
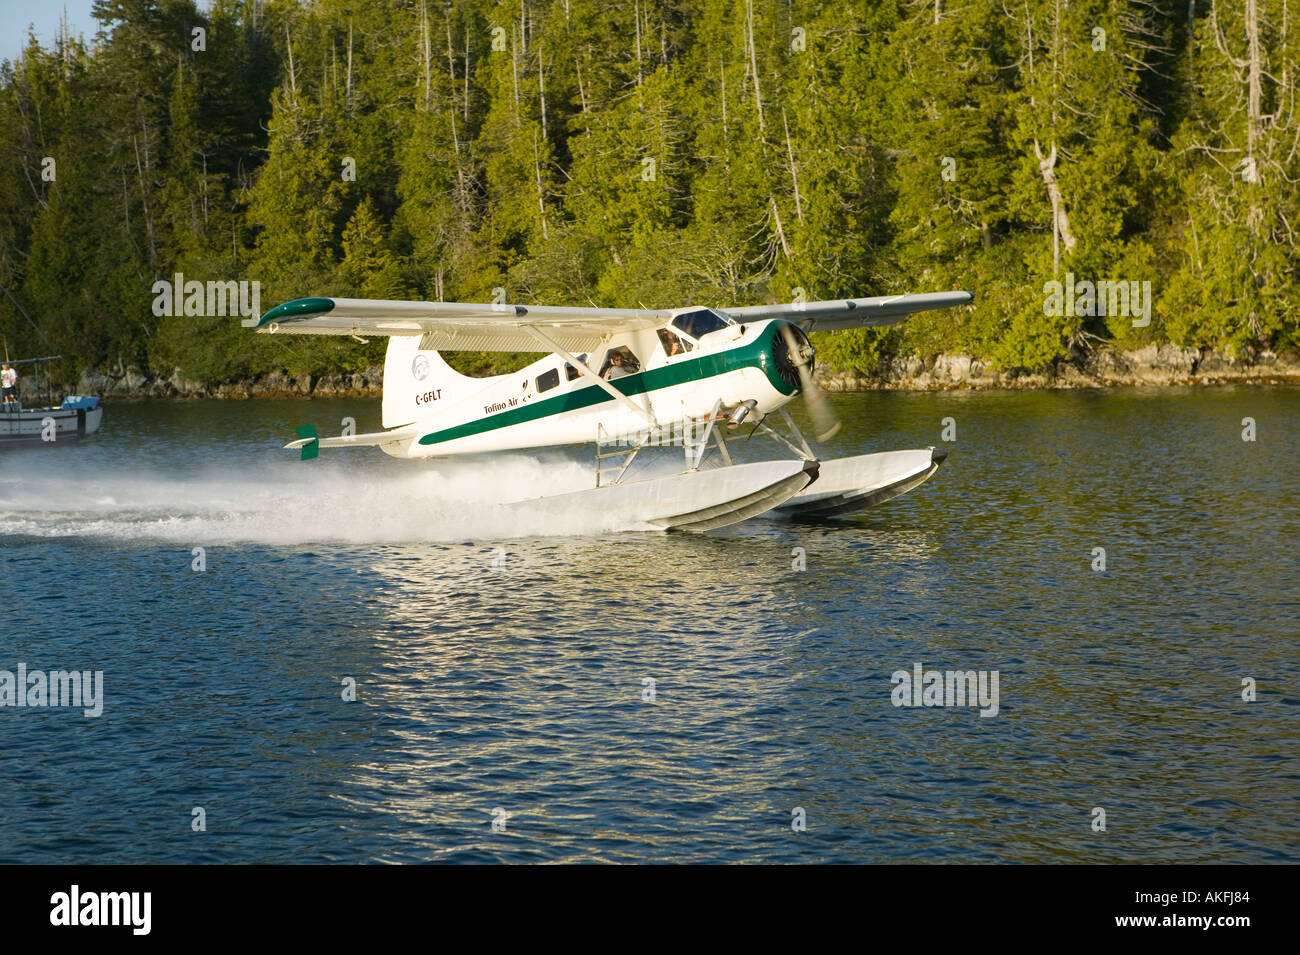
<point x="297" y="309"/>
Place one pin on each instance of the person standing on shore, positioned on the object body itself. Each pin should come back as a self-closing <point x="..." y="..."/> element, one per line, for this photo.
<point x="9" y="387"/>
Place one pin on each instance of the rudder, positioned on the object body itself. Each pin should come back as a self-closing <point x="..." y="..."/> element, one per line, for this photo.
<point x="417" y="381"/>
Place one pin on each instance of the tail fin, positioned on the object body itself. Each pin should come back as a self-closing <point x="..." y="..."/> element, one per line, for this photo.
<point x="417" y="381"/>
<point x="308" y="441"/>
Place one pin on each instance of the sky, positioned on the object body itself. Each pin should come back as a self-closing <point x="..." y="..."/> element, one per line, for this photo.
<point x="44" y="15"/>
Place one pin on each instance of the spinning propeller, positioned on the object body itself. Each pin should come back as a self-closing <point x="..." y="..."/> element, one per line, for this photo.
<point x="800" y="355"/>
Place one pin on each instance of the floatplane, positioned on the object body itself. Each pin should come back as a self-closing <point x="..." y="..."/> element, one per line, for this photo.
<point x="631" y="379"/>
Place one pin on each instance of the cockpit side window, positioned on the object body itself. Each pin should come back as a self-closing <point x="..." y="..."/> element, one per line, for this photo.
<point x="698" y="323"/>
<point x="619" y="362"/>
<point x="673" y="343"/>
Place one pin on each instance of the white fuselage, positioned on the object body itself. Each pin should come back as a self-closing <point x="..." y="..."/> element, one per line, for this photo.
<point x="551" y="403"/>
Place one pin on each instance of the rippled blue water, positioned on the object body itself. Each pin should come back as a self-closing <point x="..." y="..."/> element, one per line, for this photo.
<point x="520" y="688"/>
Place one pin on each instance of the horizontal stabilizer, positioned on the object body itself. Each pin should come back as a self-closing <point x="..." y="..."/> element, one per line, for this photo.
<point x="311" y="444"/>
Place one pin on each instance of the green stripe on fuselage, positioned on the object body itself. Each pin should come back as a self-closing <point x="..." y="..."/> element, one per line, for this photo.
<point x="757" y="354"/>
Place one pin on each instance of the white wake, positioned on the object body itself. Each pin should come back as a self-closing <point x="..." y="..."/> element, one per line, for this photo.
<point x="280" y="502"/>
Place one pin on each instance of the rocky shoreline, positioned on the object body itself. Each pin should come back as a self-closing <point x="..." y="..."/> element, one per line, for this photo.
<point x="134" y="384"/>
<point x="1153" y="365"/>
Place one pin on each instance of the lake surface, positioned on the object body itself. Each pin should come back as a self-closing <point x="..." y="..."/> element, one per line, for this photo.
<point x="500" y="667"/>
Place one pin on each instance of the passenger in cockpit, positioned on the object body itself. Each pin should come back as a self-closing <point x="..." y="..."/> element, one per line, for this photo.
<point x="673" y="344"/>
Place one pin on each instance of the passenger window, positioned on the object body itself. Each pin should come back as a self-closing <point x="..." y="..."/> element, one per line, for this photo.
<point x="570" y="372"/>
<point x="548" y="380"/>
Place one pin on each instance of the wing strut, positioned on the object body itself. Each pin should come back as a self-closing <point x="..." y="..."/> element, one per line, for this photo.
<point x="585" y="370"/>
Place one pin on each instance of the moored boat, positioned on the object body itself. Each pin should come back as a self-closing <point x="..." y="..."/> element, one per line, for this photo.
<point x="78" y="416"/>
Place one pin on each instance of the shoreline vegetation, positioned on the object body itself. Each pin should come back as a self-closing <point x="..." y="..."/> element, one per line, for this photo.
<point x="1115" y="181"/>
<point x="1150" y="366"/>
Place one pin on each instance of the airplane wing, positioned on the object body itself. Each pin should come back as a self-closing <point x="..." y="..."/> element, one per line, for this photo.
<point x="851" y="312"/>
<point x="456" y="326"/>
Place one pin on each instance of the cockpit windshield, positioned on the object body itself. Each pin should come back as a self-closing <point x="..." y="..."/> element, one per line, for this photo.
<point x="698" y="323"/>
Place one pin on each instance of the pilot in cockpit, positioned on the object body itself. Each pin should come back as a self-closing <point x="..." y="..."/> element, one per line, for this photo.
<point x="616" y="367"/>
<point x="619" y="363"/>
